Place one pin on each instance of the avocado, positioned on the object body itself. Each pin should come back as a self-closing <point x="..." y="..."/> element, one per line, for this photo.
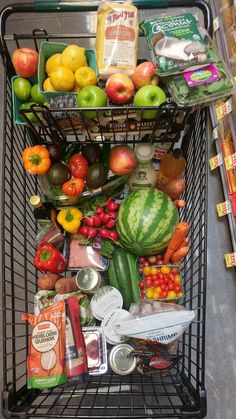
<point x="96" y="176"/>
<point x="58" y="174"/>
<point x="92" y="152"/>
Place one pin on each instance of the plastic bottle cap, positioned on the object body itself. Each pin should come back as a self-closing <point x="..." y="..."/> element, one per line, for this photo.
<point x="144" y="152"/>
<point x="36" y="201"/>
<point x="177" y="152"/>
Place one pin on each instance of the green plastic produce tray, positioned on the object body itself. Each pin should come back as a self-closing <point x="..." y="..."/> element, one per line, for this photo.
<point x="16" y="102"/>
<point x="47" y="49"/>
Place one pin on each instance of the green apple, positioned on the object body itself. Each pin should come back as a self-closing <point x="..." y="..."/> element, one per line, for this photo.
<point x="91" y="97"/>
<point x="149" y="96"/>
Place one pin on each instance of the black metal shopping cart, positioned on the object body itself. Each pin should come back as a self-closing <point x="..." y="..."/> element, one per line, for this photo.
<point x="181" y="392"/>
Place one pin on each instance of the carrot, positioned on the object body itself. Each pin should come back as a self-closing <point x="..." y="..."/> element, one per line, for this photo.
<point x="178" y="236"/>
<point x="179" y="203"/>
<point x="179" y="254"/>
<point x="184" y="242"/>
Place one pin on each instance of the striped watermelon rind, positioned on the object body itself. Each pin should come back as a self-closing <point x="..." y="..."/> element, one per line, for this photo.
<point x="146" y="221"/>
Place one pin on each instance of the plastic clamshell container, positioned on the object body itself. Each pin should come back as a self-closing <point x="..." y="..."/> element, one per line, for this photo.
<point x="54" y="195"/>
<point x="166" y="299"/>
<point x="47" y="49"/>
<point x="16" y="102"/>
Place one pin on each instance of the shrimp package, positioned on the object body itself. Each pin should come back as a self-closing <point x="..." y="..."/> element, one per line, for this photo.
<point x="117" y="38"/>
<point x="46" y="356"/>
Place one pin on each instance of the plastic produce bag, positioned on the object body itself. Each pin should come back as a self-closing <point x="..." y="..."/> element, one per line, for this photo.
<point x="117" y="38"/>
<point x="156" y="322"/>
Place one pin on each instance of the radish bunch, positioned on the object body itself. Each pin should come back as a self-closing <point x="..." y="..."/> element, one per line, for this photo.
<point x="102" y="222"/>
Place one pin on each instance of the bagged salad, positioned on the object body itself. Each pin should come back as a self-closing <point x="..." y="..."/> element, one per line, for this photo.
<point x="156" y="322"/>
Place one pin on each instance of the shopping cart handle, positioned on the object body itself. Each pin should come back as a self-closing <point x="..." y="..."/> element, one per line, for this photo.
<point x="90" y="5"/>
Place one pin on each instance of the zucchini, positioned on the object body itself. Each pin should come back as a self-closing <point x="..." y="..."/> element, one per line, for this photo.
<point x="131" y="259"/>
<point x="121" y="267"/>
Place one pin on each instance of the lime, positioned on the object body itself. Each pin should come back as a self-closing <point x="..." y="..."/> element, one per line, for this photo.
<point x="36" y="94"/>
<point x="22" y="88"/>
<point x="29" y="115"/>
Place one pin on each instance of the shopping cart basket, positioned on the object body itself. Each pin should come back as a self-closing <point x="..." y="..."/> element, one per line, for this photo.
<point x="181" y="392"/>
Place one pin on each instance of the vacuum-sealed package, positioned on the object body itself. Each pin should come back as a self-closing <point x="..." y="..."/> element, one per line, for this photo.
<point x="46" y="356"/>
<point x="117" y="38"/>
<point x="175" y="43"/>
<point x="156" y="322"/>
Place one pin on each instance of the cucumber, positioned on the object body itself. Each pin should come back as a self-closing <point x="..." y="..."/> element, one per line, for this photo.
<point x="131" y="259"/>
<point x="112" y="275"/>
<point x="121" y="267"/>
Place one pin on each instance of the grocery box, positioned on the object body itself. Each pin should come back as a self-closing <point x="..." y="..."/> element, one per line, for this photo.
<point x="163" y="274"/>
<point x="49" y="48"/>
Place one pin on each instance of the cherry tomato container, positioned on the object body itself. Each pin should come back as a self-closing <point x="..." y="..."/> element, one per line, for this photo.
<point x="163" y="283"/>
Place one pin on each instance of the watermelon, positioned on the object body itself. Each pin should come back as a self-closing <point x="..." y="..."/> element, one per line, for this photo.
<point x="146" y="221"/>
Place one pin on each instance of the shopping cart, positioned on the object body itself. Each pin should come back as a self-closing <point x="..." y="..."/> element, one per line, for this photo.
<point x="181" y="392"/>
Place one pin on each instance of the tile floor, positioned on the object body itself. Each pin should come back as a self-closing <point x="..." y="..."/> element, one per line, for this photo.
<point x="221" y="294"/>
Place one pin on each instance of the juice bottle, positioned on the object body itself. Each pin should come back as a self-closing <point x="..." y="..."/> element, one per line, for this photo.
<point x="43" y="211"/>
<point x="172" y="166"/>
<point x="144" y="174"/>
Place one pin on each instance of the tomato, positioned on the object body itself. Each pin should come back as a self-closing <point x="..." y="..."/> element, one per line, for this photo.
<point x="171" y="285"/>
<point x="146" y="263"/>
<point x="165" y="269"/>
<point x="155" y="295"/>
<point x="143" y="293"/>
<point x="152" y="260"/>
<point x="171" y="294"/>
<point x="141" y="285"/>
<point x="171" y="277"/>
<point x="146" y="269"/>
<point x="149" y="292"/>
<point x="179" y="294"/>
<point x="78" y="166"/>
<point x="165" y="288"/>
<point x="163" y="294"/>
<point x="177" y="288"/>
<point x="148" y="277"/>
<point x="177" y="279"/>
<point x="160" y="283"/>
<point x="154" y="277"/>
<point x="158" y="290"/>
<point x="148" y="283"/>
<point x="154" y="271"/>
<point x="160" y="262"/>
<point x="175" y="270"/>
<point x="160" y="276"/>
<point x="92" y="232"/>
<point x="113" y="235"/>
<point x="88" y="221"/>
<point x="155" y="282"/>
<point x="140" y="271"/>
<point x="73" y="187"/>
<point x="141" y="259"/>
<point x="165" y="279"/>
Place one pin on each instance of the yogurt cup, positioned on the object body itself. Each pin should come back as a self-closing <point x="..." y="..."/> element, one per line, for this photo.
<point x="105" y="300"/>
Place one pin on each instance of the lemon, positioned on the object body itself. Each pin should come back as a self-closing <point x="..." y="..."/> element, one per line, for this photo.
<point x="62" y="79"/>
<point x="85" y="76"/>
<point x="52" y="62"/>
<point x="47" y="86"/>
<point x="73" y="57"/>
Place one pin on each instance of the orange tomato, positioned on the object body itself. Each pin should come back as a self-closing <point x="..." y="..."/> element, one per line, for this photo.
<point x="149" y="293"/>
<point x="165" y="270"/>
<point x="155" y="295"/>
<point x="154" y="271"/>
<point x="179" y="294"/>
<point x="146" y="270"/>
<point x="171" y="294"/>
<point x="158" y="290"/>
<point x="177" y="279"/>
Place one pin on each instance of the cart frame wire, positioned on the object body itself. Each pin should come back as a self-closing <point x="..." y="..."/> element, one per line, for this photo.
<point x="180" y="393"/>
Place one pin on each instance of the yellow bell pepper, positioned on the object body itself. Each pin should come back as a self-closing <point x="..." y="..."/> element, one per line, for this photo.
<point x="70" y="219"/>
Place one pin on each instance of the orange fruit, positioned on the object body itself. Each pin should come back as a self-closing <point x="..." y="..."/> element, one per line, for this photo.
<point x="146" y="270"/>
<point x="85" y="76"/>
<point x="154" y="271"/>
<point x="177" y="279"/>
<point x="62" y="79"/>
<point x="73" y="57"/>
<point x="52" y="62"/>
<point x="165" y="270"/>
<point x="171" y="294"/>
<point x="47" y="86"/>
<point x="149" y="293"/>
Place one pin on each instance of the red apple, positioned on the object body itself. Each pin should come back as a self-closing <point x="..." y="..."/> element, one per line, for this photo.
<point x="25" y="62"/>
<point x="119" y="88"/>
<point x="122" y="160"/>
<point x="145" y="73"/>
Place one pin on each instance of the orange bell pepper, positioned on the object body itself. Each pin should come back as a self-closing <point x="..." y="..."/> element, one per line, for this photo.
<point x="36" y="160"/>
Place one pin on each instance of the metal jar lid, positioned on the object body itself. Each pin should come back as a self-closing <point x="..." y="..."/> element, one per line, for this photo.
<point x="119" y="360"/>
<point x="88" y="280"/>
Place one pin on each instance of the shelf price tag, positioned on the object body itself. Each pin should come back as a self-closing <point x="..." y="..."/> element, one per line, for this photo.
<point x="230" y="162"/>
<point x="230" y="260"/>
<point x="223" y="208"/>
<point x="216" y="23"/>
<point x="216" y="161"/>
<point x="224" y="109"/>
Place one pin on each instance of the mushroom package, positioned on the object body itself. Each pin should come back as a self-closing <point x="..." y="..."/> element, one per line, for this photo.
<point x="46" y="357"/>
<point x="175" y="43"/>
